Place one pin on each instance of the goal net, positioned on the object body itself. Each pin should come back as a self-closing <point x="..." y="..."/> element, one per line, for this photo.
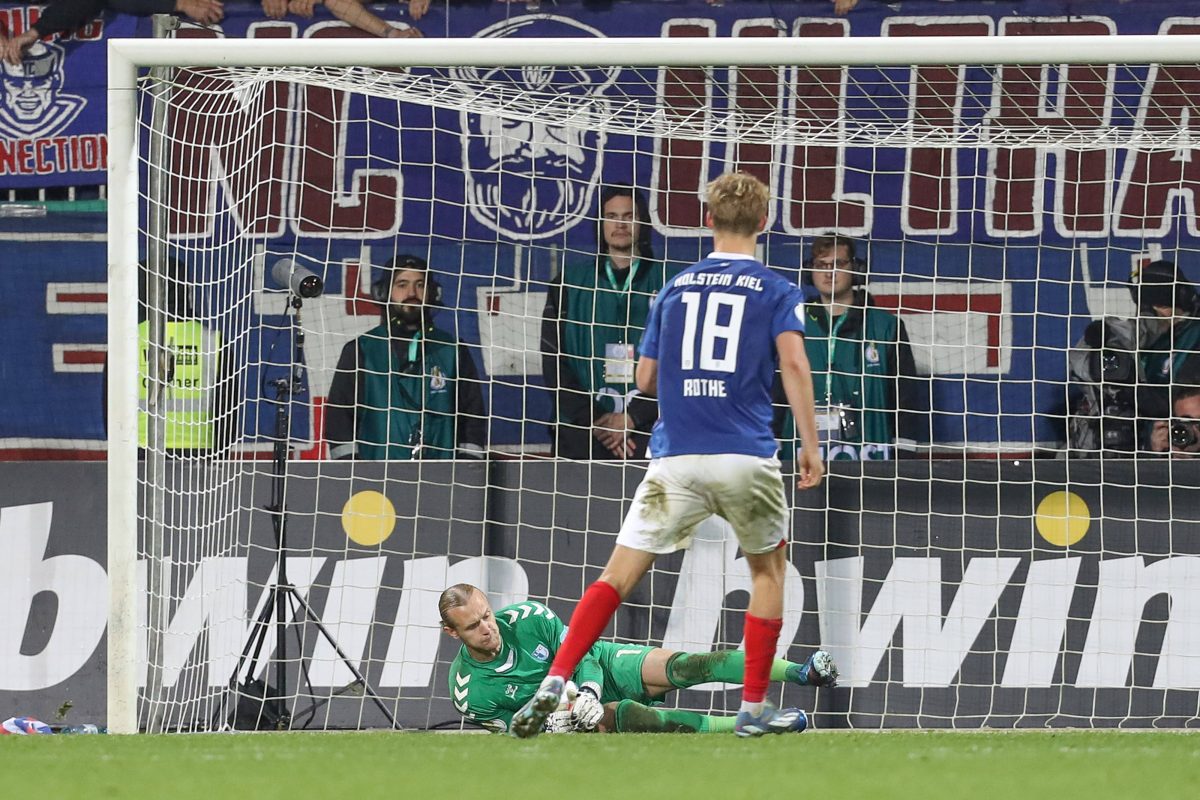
<point x="286" y="445"/>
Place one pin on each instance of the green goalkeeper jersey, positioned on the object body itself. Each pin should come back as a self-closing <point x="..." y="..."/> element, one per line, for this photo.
<point x="490" y="692"/>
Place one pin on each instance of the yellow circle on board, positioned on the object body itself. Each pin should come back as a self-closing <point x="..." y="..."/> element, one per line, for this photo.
<point x="368" y="518"/>
<point x="1062" y="518"/>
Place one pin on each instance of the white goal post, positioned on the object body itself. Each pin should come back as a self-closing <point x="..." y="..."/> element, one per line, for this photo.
<point x="132" y="232"/>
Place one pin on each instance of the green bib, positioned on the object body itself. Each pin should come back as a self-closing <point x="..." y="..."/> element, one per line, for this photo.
<point x="603" y="320"/>
<point x="407" y="407"/>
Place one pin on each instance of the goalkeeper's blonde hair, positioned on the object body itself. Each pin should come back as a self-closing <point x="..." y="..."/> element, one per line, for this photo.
<point x="737" y="203"/>
<point x="455" y="596"/>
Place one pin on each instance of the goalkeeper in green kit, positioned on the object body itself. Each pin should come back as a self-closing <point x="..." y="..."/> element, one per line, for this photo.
<point x="506" y="654"/>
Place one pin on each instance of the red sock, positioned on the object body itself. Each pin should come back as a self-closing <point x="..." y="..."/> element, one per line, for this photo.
<point x="762" y="635"/>
<point x="591" y="617"/>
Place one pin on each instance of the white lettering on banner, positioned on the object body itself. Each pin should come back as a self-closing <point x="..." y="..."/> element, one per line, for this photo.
<point x="911" y="596"/>
<point x="79" y="585"/>
<point x="209" y="624"/>
<point x="1037" y="638"/>
<point x="348" y="614"/>
<point x="214" y="602"/>
<point x="710" y="572"/>
<point x="1125" y="586"/>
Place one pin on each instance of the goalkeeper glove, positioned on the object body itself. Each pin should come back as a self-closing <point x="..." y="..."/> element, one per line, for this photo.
<point x="588" y="710"/>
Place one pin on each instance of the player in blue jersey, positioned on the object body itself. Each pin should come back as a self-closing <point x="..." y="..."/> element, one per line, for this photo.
<point x="709" y="353"/>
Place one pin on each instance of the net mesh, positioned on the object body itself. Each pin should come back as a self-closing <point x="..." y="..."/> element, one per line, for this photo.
<point x="995" y="210"/>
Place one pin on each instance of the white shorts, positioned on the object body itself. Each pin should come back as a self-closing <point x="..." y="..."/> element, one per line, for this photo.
<point x="679" y="492"/>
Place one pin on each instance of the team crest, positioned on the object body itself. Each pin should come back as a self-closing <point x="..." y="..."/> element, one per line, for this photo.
<point x="528" y="178"/>
<point x="510" y="690"/>
<point x="33" y="105"/>
<point x="541" y="653"/>
<point x="871" y="354"/>
<point x="437" y="379"/>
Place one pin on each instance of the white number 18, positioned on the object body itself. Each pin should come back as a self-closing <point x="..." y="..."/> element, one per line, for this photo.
<point x="711" y="331"/>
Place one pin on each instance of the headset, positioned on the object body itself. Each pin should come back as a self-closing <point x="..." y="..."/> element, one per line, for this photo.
<point x="1161" y="283"/>
<point x="381" y="280"/>
<point x="858" y="267"/>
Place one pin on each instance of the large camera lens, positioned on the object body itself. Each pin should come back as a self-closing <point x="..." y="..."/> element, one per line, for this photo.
<point x="1184" y="434"/>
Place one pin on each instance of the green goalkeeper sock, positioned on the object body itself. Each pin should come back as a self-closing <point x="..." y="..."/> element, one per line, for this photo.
<point x="726" y="666"/>
<point x="633" y="717"/>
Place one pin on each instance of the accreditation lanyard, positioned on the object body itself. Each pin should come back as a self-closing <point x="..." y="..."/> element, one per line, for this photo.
<point x="414" y="347"/>
<point x="833" y="332"/>
<point x="612" y="276"/>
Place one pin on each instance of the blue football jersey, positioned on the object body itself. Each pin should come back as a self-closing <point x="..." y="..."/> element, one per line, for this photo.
<point x="713" y="330"/>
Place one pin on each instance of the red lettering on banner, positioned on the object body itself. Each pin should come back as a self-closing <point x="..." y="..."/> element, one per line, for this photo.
<point x="15" y="21"/>
<point x="92" y="32"/>
<point x="44" y="166"/>
<point x="8" y="157"/>
<point x="90" y="154"/>
<point x="357" y="303"/>
<point x="757" y="95"/>
<point x="813" y="196"/>
<point x="929" y="202"/>
<point x="236" y="142"/>
<point x="681" y="165"/>
<point x="1023" y="102"/>
<point x="323" y="207"/>
<point x="1153" y="179"/>
<point x="27" y="162"/>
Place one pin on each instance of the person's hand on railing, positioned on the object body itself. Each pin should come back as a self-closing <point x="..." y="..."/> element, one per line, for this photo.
<point x="275" y="9"/>
<point x="302" y="8"/>
<point x="205" y="12"/>
<point x="405" y="33"/>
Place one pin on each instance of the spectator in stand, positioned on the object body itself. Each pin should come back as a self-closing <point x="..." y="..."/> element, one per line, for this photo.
<point x="593" y="322"/>
<point x="352" y="12"/>
<point x="405" y="389"/>
<point x="61" y="16"/>
<point x="862" y="365"/>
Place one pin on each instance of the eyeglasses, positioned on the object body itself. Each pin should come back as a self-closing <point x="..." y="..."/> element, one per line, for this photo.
<point x="840" y="263"/>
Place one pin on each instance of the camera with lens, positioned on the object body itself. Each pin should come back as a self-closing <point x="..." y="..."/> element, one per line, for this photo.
<point x="1118" y="433"/>
<point x="1185" y="433"/>
<point x="849" y="420"/>
<point x="1117" y="366"/>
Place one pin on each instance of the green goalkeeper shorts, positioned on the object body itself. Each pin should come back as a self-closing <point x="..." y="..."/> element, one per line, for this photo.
<point x="622" y="665"/>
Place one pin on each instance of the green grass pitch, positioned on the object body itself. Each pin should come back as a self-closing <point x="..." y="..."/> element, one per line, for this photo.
<point x="823" y="764"/>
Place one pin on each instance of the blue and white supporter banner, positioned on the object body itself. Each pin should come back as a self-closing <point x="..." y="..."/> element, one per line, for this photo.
<point x="996" y="267"/>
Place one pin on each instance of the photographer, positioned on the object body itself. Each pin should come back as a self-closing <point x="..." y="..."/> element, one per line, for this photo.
<point x="1107" y="373"/>
<point x="1181" y="435"/>
<point x="1169" y="313"/>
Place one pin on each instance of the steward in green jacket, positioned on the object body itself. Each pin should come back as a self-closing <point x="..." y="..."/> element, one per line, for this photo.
<point x="862" y="365"/>
<point x="593" y="322"/>
<point x="405" y="389"/>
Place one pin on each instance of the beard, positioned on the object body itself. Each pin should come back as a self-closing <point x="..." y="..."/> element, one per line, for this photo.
<point x="406" y="315"/>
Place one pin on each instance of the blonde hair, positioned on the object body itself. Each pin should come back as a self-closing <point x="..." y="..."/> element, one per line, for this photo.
<point x="456" y="596"/>
<point x="737" y="203"/>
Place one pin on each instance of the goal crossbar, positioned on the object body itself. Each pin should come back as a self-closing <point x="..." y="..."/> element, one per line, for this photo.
<point x="633" y="51"/>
